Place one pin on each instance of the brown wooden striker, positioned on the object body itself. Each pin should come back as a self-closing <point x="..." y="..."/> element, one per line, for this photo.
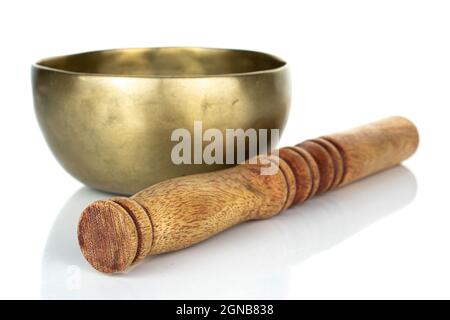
<point x="180" y="212"/>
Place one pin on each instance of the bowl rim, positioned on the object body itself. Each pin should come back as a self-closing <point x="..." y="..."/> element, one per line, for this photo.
<point x="283" y="64"/>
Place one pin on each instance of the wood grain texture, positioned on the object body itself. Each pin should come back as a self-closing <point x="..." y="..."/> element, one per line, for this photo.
<point x="107" y="236"/>
<point x="289" y="176"/>
<point x="190" y="209"/>
<point x="336" y="158"/>
<point x="303" y="174"/>
<point x="324" y="163"/>
<point x="180" y="212"/>
<point x="312" y="167"/>
<point x="143" y="225"/>
<point x="375" y="147"/>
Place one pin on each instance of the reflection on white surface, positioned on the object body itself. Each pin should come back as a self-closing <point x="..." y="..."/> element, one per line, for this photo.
<point x="248" y="261"/>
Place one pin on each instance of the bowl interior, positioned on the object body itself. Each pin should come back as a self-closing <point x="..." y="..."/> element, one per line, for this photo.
<point x="175" y="62"/>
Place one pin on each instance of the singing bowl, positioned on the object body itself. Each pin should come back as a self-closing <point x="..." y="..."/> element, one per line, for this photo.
<point x="108" y="115"/>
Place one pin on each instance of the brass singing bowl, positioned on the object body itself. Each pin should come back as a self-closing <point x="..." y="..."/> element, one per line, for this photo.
<point x="108" y="115"/>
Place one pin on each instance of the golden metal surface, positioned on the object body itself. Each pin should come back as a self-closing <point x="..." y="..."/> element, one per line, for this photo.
<point x="108" y="115"/>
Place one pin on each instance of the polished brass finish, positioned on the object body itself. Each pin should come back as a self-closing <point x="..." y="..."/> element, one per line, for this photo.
<point x="108" y="115"/>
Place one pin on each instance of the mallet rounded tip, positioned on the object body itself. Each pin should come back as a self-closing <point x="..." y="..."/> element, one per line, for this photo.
<point x="107" y="236"/>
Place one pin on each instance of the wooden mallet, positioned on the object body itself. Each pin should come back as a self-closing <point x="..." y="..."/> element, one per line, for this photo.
<point x="177" y="213"/>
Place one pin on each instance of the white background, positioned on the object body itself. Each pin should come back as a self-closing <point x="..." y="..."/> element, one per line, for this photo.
<point x="351" y="62"/>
